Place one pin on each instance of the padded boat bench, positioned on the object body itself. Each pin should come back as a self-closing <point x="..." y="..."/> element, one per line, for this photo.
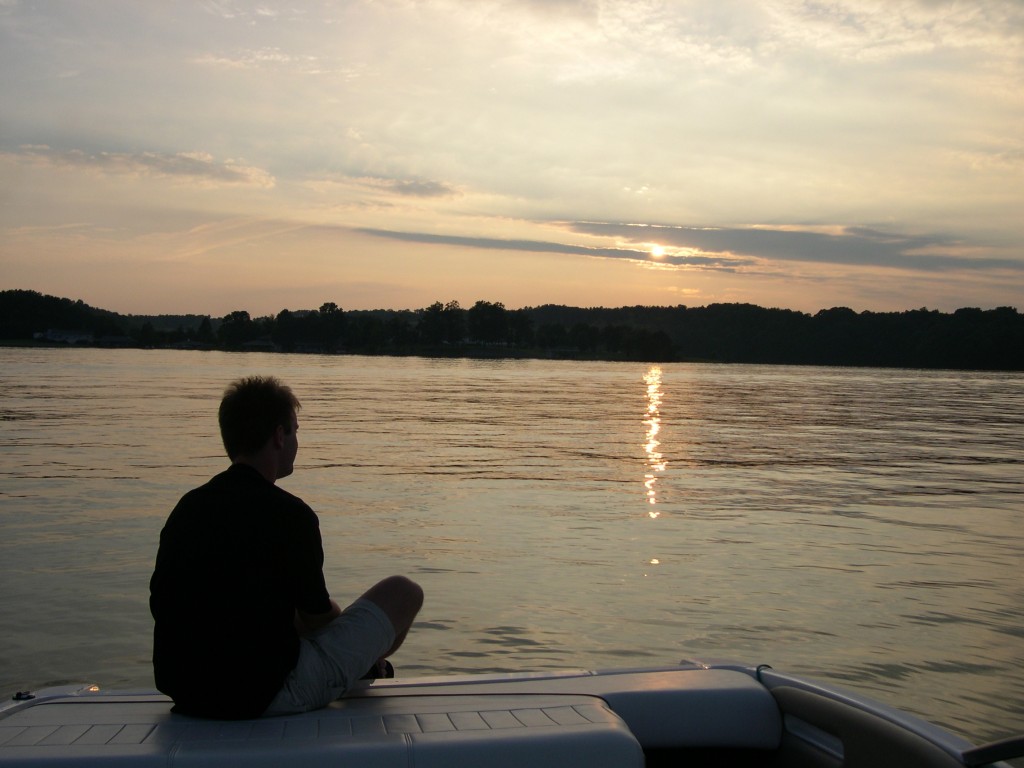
<point x="535" y="730"/>
<point x="669" y="708"/>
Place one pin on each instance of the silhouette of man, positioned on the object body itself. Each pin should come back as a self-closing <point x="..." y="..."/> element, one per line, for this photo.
<point x="245" y="626"/>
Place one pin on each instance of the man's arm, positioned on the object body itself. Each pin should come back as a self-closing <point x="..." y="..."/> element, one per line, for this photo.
<point x="310" y="622"/>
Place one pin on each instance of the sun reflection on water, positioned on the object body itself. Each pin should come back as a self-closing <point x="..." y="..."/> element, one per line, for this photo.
<point x="655" y="460"/>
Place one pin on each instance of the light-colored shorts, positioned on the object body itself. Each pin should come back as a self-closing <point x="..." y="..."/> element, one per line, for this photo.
<point x="334" y="657"/>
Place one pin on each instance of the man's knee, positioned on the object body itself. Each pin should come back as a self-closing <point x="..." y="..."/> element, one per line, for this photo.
<point x="399" y="597"/>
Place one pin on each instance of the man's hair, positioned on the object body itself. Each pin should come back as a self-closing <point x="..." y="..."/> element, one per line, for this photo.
<point x="251" y="411"/>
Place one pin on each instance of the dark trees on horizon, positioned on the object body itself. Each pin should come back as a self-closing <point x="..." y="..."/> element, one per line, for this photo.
<point x="968" y="338"/>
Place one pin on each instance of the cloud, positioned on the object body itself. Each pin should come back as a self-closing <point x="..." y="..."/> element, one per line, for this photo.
<point x="413" y="187"/>
<point x="251" y="13"/>
<point x="273" y="58"/>
<point x="195" y="166"/>
<point x="858" y="246"/>
<point x="718" y="261"/>
<point x="864" y="30"/>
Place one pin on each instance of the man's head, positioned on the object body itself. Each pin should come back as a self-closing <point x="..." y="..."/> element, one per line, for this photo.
<point x="252" y="412"/>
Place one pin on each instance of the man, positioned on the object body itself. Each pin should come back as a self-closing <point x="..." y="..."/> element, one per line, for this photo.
<point x="245" y="626"/>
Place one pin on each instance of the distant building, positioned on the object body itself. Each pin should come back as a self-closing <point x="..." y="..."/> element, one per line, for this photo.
<point x="65" y="337"/>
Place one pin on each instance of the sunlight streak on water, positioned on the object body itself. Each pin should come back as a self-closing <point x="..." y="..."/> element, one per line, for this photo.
<point x="655" y="459"/>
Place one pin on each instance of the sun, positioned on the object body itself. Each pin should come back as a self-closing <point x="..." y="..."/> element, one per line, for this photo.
<point x="657" y="251"/>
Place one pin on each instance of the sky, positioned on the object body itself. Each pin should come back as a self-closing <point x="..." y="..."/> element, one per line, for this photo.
<point x="208" y="157"/>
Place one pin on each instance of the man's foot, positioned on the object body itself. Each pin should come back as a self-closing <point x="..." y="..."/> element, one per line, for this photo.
<point x="379" y="671"/>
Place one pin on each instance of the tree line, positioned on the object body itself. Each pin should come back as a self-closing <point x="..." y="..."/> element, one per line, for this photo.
<point x="969" y="338"/>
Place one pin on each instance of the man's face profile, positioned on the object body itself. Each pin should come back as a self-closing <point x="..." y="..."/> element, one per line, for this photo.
<point x="289" y="449"/>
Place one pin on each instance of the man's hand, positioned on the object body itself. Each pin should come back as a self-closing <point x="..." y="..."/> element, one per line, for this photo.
<point x="311" y="622"/>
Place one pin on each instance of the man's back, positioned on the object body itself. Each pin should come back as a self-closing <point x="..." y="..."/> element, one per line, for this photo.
<point x="237" y="557"/>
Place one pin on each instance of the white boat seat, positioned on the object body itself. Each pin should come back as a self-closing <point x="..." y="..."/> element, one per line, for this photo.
<point x="668" y="708"/>
<point x="422" y="731"/>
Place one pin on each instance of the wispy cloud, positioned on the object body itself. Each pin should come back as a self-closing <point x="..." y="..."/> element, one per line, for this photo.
<point x="412" y="187"/>
<point x="275" y="59"/>
<point x="865" y="30"/>
<point x="717" y="261"/>
<point x="198" y="167"/>
<point x="860" y="246"/>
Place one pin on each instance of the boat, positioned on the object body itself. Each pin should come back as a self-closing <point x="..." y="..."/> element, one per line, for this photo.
<point x="691" y="714"/>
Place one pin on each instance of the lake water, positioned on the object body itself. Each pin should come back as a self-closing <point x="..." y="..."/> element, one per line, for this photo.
<point x="861" y="526"/>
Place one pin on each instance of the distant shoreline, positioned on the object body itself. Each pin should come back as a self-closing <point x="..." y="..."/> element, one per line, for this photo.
<point x="470" y="355"/>
<point x="967" y="339"/>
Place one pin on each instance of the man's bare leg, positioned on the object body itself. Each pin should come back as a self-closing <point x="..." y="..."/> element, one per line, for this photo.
<point x="401" y="599"/>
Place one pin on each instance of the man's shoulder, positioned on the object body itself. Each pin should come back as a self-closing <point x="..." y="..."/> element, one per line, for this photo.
<point x="292" y="502"/>
<point x="243" y="484"/>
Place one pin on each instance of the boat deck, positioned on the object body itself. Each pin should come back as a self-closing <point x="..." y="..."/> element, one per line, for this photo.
<point x="530" y="722"/>
<point x="615" y="719"/>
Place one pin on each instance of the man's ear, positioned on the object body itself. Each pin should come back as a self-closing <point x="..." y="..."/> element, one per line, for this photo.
<point x="279" y="437"/>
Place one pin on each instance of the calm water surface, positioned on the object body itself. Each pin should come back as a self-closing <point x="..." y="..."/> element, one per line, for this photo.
<point x="863" y="526"/>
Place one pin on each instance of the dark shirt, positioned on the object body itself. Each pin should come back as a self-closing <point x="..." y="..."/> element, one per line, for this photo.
<point x="237" y="557"/>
